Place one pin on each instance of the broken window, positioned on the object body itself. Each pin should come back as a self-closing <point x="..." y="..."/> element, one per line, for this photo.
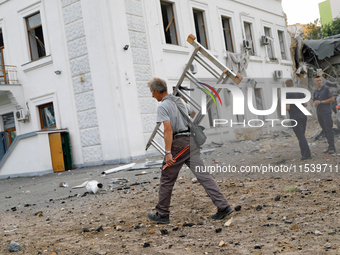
<point x="200" y="28"/>
<point x="249" y="36"/>
<point x="267" y="32"/>
<point x="227" y="34"/>
<point x="47" y="118"/>
<point x="169" y="24"/>
<point x="282" y="45"/>
<point x="35" y="36"/>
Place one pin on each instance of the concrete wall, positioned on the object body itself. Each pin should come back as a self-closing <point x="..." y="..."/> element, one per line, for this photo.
<point x="30" y="156"/>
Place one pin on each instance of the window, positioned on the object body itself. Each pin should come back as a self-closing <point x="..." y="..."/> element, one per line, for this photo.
<point x="169" y="24"/>
<point x="267" y="32"/>
<point x="9" y="127"/>
<point x="282" y="45"/>
<point x="47" y="119"/>
<point x="227" y="34"/>
<point x="200" y="28"/>
<point x="249" y="36"/>
<point x="35" y="36"/>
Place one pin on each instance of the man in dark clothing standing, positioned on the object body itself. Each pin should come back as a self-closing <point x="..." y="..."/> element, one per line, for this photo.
<point x="323" y="97"/>
<point x="176" y="138"/>
<point x="301" y="119"/>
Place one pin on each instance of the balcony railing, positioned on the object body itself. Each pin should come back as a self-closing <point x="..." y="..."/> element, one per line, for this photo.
<point x="8" y="74"/>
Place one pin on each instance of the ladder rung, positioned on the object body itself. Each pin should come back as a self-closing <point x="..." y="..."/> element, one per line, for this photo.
<point x="158" y="147"/>
<point x="190" y="100"/>
<point x="206" y="66"/>
<point x="160" y="132"/>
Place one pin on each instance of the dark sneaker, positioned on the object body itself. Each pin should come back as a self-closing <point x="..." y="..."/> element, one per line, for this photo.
<point x="221" y="214"/>
<point x="305" y="158"/>
<point x="326" y="151"/>
<point x="158" y="219"/>
<point x="331" y="151"/>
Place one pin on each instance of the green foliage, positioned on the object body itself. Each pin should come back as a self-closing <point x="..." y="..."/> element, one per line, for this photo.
<point x="331" y="28"/>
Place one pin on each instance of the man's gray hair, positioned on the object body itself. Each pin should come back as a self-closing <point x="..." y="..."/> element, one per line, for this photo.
<point x="157" y="83"/>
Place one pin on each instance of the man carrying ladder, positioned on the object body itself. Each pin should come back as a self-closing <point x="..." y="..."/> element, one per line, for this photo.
<point x="176" y="138"/>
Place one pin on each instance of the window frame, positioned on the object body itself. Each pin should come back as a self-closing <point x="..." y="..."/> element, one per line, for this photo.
<point x="173" y="21"/>
<point x="24" y="12"/>
<point x="230" y="33"/>
<point x="202" y="12"/>
<point x="41" y="117"/>
<point x="283" y="44"/>
<point x="253" y="53"/>
<point x="270" y="45"/>
<point x="28" y="35"/>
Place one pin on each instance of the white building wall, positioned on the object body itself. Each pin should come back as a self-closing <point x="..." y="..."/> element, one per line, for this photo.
<point x="101" y="95"/>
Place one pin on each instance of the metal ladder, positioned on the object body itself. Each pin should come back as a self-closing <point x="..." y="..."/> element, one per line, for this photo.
<point x="214" y="67"/>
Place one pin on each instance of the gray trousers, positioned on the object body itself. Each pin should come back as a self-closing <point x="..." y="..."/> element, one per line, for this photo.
<point x="169" y="176"/>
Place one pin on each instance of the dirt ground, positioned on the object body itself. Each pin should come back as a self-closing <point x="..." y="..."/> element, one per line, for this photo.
<point x="294" y="212"/>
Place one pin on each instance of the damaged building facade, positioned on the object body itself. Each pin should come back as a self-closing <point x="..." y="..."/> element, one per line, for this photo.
<point x="73" y="73"/>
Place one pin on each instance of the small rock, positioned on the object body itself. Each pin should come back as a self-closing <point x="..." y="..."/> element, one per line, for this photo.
<point x="288" y="221"/>
<point x="318" y="233"/>
<point x="118" y="227"/>
<point x="257" y="246"/>
<point x="13" y="247"/>
<point x="175" y="229"/>
<point x="277" y="198"/>
<point x="295" y="227"/>
<point x="86" y="230"/>
<point x="229" y="223"/>
<point x="100" y="229"/>
<point x="329" y="179"/>
<point x="151" y="232"/>
<point x="146" y="245"/>
<point x="262" y="151"/>
<point x="13" y="209"/>
<point x="164" y="232"/>
<point x="242" y="198"/>
<point x="259" y="208"/>
<point x="194" y="180"/>
<point x="222" y="243"/>
<point x="238" y="208"/>
<point x="188" y="224"/>
<point x="328" y="245"/>
<point x="218" y="230"/>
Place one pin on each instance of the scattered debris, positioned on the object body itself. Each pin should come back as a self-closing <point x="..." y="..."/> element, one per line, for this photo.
<point x="222" y="243"/>
<point x="91" y="186"/>
<point x="63" y="184"/>
<point x="218" y="230"/>
<point x="257" y="246"/>
<point x="164" y="232"/>
<point x="318" y="233"/>
<point x="13" y="247"/>
<point x="194" y="180"/>
<point x="238" y="208"/>
<point x="295" y="227"/>
<point x="229" y="223"/>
